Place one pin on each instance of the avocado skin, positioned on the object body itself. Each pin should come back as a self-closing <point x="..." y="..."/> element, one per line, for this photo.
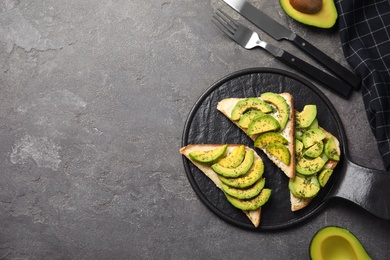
<point x="330" y="241"/>
<point x="325" y="18"/>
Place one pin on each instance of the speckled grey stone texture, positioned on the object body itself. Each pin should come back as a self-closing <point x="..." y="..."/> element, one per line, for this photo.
<point x="93" y="100"/>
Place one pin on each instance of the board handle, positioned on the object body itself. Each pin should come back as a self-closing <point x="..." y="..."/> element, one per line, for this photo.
<point x="366" y="187"/>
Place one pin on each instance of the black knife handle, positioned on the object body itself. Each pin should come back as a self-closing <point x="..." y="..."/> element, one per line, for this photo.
<point x="337" y="86"/>
<point x="333" y="66"/>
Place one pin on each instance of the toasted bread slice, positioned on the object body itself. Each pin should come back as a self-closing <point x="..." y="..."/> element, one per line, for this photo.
<point x="226" y="106"/>
<point x="300" y="203"/>
<point x="253" y="215"/>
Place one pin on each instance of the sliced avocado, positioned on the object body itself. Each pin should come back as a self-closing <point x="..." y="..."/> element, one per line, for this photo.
<point x="246" y="180"/>
<point x="241" y="169"/>
<point x="315" y="150"/>
<point x="244" y="194"/>
<point x="263" y="124"/>
<point x="210" y="156"/>
<point x="249" y="103"/>
<point x="309" y="166"/>
<point x="251" y="204"/>
<point x="324" y="176"/>
<point x="331" y="150"/>
<point x="306" y="117"/>
<point x="292" y="189"/>
<point x="279" y="151"/>
<point x="298" y="148"/>
<point x="311" y="136"/>
<point x="336" y="243"/>
<point x="248" y="116"/>
<point x="281" y="105"/>
<point x="305" y="186"/>
<point x="267" y="138"/>
<point x="234" y="158"/>
<point x="325" y="18"/>
<point x="300" y="131"/>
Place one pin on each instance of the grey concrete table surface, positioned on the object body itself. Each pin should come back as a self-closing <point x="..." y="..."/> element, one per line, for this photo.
<point x="93" y="100"/>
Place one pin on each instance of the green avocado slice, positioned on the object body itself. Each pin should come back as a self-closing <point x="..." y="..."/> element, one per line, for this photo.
<point x="309" y="166"/>
<point x="311" y="136"/>
<point x="241" y="169"/>
<point x="246" y="180"/>
<point x="279" y="151"/>
<point x="210" y="156"/>
<point x="247" y="193"/>
<point x="305" y="186"/>
<point x="331" y="150"/>
<point x="234" y="158"/>
<point x="267" y="138"/>
<point x="281" y="105"/>
<point x="306" y="117"/>
<point x="248" y="116"/>
<point x="251" y="204"/>
<point x="249" y="103"/>
<point x="263" y="124"/>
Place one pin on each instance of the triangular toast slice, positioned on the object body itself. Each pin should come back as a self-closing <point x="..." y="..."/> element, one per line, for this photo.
<point x="226" y="106"/>
<point x="253" y="215"/>
<point x="300" y="203"/>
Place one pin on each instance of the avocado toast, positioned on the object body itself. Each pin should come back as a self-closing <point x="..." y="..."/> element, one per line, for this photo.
<point x="235" y="169"/>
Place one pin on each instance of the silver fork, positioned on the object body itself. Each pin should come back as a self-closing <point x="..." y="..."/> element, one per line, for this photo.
<point x="250" y="39"/>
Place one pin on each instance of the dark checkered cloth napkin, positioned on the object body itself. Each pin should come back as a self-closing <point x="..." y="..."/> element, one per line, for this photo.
<point x="365" y="36"/>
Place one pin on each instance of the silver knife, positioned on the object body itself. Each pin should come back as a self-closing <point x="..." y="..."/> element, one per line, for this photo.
<point x="279" y="32"/>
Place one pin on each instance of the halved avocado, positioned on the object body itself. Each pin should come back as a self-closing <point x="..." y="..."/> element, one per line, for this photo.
<point x="248" y="179"/>
<point x="241" y="169"/>
<point x="251" y="204"/>
<point x="249" y="103"/>
<point x="279" y="151"/>
<point x="306" y="117"/>
<point x="336" y="243"/>
<point x="325" y="18"/>
<point x="248" y="116"/>
<point x="267" y="138"/>
<point x="281" y="105"/>
<point x="244" y="194"/>
<point x="210" y="156"/>
<point x="234" y="158"/>
<point x="263" y="124"/>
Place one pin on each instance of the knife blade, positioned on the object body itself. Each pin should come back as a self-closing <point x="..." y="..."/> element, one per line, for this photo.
<point x="279" y="32"/>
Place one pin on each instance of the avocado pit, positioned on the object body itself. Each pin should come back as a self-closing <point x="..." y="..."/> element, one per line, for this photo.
<point x="307" y="6"/>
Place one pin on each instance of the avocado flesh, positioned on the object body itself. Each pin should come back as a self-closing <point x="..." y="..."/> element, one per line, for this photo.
<point x="336" y="243"/>
<point x="324" y="176"/>
<point x="331" y="150"/>
<point x="267" y="138"/>
<point x="244" y="194"/>
<point x="306" y="117"/>
<point x="309" y="166"/>
<point x="234" y="158"/>
<point x="281" y="105"/>
<point x="248" y="116"/>
<point x="263" y="124"/>
<point x="249" y="103"/>
<point x="251" y="204"/>
<point x="315" y="150"/>
<point x="246" y="180"/>
<point x="241" y="169"/>
<point x="311" y="136"/>
<point x="208" y="156"/>
<point x="305" y="186"/>
<point x="279" y="151"/>
<point x="325" y="18"/>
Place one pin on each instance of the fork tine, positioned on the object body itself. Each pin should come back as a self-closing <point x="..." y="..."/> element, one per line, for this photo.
<point x="229" y="20"/>
<point x="223" y="26"/>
